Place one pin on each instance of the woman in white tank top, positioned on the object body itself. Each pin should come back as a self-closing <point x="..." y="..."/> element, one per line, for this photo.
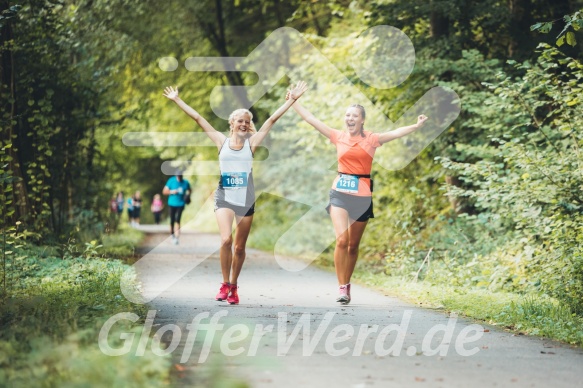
<point x="235" y="196"/>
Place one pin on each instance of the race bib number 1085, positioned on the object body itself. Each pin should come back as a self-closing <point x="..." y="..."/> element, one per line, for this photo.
<point x="234" y="179"/>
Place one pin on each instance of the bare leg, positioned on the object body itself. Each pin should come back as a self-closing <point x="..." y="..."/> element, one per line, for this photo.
<point x="340" y="222"/>
<point x="241" y="235"/>
<point x="355" y="232"/>
<point x="225" y="219"/>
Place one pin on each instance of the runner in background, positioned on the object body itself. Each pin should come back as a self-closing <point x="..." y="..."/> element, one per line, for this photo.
<point x="131" y="211"/>
<point x="113" y="206"/>
<point x="176" y="188"/>
<point x="156" y="208"/>
<point x="119" y="200"/>
<point x="137" y="208"/>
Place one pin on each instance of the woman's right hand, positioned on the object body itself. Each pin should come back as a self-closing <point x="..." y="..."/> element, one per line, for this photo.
<point x="171" y="93"/>
<point x="297" y="91"/>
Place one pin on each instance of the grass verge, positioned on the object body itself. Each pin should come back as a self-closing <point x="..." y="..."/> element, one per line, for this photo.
<point x="526" y="314"/>
<point x="122" y="244"/>
<point x="522" y="313"/>
<point x="51" y="315"/>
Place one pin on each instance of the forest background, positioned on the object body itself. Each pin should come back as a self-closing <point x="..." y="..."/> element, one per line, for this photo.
<point x="494" y="206"/>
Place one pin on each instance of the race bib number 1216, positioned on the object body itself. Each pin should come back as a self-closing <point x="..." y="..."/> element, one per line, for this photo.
<point x="347" y="184"/>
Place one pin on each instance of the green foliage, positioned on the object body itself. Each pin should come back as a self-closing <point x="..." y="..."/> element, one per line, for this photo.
<point x="58" y="98"/>
<point x="497" y="29"/>
<point x="528" y="176"/>
<point x="277" y="215"/>
<point x="74" y="78"/>
<point x="62" y="294"/>
<point x="51" y="320"/>
<point x="121" y="244"/>
<point x="543" y="317"/>
<point x="540" y="316"/>
<point x="508" y="219"/>
<point x="470" y="251"/>
<point x="76" y="361"/>
<point x="572" y="22"/>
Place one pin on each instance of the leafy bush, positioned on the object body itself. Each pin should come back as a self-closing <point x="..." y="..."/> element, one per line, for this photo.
<point x="529" y="175"/>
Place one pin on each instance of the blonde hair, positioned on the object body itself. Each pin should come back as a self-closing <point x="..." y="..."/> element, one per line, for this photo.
<point x="239" y="112"/>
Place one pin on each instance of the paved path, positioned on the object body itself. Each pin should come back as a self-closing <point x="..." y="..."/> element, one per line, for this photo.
<point x="273" y="298"/>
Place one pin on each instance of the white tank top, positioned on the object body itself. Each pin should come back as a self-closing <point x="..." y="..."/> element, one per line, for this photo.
<point x="236" y="166"/>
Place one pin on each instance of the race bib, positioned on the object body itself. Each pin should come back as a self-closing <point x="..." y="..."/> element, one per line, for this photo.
<point x="347" y="184"/>
<point x="234" y="180"/>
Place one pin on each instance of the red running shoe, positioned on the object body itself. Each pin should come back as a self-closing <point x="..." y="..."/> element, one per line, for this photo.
<point x="233" y="296"/>
<point x="223" y="292"/>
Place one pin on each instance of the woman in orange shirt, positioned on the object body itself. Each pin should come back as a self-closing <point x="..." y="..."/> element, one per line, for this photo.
<point x="350" y="204"/>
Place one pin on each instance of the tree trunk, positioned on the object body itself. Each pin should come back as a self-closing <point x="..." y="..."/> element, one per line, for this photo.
<point x="220" y="43"/>
<point x="8" y="86"/>
<point x="278" y="13"/>
<point x="439" y="22"/>
<point x="314" y="20"/>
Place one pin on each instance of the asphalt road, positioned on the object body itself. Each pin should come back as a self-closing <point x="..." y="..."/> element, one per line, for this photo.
<point x="288" y="331"/>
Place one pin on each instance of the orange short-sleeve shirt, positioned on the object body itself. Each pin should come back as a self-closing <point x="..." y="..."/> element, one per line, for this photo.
<point x="355" y="155"/>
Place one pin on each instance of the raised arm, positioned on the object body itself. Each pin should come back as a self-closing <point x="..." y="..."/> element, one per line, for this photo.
<point x="217" y="137"/>
<point x="312" y="120"/>
<point x="294" y="94"/>
<point x="400" y="132"/>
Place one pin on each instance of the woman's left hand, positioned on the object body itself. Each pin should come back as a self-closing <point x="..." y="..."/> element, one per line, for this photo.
<point x="421" y="119"/>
